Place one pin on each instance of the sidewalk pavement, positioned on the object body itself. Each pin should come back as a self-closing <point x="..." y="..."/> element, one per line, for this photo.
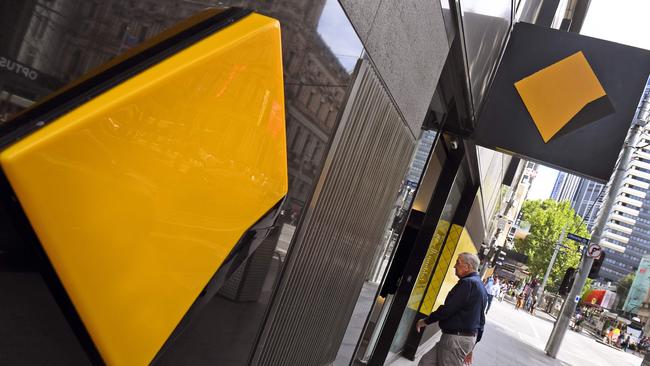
<point x="515" y="337"/>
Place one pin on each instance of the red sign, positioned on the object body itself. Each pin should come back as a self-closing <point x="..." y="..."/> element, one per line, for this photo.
<point x="594" y="297"/>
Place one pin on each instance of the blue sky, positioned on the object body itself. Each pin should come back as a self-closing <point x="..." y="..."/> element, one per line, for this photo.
<point x="339" y="35"/>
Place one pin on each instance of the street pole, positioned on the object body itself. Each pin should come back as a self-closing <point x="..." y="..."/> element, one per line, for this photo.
<point x="569" y="306"/>
<point x="540" y="293"/>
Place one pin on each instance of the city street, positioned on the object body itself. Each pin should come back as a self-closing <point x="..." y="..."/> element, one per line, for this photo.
<point x="514" y="337"/>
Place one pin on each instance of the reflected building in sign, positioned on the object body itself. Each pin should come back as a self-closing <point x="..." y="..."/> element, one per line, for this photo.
<point x="21" y="82"/>
<point x="63" y="39"/>
<point x="315" y="83"/>
<point x="59" y="40"/>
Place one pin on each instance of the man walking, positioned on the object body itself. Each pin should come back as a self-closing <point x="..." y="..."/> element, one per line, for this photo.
<point x="461" y="318"/>
<point x="492" y="288"/>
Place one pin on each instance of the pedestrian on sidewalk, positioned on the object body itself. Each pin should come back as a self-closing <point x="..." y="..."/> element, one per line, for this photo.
<point x="533" y="303"/>
<point x="461" y="318"/>
<point x="626" y="343"/>
<point x="616" y="337"/>
<point x="520" y="301"/>
<point x="492" y="288"/>
<point x="609" y="335"/>
<point x="528" y="301"/>
<point x="502" y="291"/>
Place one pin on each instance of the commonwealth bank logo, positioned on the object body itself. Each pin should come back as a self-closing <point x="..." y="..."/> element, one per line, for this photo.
<point x="564" y="96"/>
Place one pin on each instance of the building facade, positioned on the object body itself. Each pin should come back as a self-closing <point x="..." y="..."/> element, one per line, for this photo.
<point x="587" y="201"/>
<point x="565" y="187"/>
<point x="584" y="195"/>
<point x="509" y="219"/>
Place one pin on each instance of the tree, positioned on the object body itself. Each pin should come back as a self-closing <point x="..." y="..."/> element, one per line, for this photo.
<point x="623" y="288"/>
<point x="547" y="218"/>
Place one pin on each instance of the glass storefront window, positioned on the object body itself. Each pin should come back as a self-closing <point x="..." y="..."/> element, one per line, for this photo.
<point x="416" y="191"/>
<point x="429" y="264"/>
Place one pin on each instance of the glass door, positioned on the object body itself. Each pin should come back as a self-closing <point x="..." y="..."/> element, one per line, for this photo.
<point x="428" y="266"/>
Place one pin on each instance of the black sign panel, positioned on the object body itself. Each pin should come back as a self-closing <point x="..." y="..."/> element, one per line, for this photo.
<point x="577" y="238"/>
<point x="589" y="149"/>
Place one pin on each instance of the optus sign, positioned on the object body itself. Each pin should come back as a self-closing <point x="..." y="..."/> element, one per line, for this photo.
<point x="15" y="67"/>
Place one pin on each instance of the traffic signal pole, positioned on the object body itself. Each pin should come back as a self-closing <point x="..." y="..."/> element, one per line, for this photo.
<point x="616" y="181"/>
<point x="568" y="308"/>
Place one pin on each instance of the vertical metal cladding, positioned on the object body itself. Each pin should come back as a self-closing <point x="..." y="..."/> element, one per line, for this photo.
<point x="335" y="245"/>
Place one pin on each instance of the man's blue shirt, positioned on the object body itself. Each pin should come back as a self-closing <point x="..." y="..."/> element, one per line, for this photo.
<point x="464" y="308"/>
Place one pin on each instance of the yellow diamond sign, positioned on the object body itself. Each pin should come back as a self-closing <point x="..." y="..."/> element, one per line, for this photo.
<point x="556" y="94"/>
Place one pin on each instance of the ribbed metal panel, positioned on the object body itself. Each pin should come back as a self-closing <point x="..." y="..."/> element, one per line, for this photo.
<point x="346" y="218"/>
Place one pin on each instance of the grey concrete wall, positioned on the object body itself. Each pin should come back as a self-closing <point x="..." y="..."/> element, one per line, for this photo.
<point x="407" y="42"/>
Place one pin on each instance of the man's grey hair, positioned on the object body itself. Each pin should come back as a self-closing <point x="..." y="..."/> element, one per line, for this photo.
<point x="470" y="259"/>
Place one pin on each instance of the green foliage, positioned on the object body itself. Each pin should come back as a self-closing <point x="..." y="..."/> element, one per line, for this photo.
<point x="623" y="288"/>
<point x="547" y="218"/>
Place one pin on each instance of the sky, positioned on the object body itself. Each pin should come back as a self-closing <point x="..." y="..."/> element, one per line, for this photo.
<point x="621" y="21"/>
<point x="542" y="184"/>
<point x="337" y="32"/>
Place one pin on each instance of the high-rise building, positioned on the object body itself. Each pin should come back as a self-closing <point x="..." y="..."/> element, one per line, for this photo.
<point x="557" y="186"/>
<point x="628" y="225"/>
<point x="582" y="193"/>
<point x="565" y="187"/>
<point x="587" y="201"/>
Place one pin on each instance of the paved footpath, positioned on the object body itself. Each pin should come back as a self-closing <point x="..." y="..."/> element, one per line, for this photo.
<point x="514" y="337"/>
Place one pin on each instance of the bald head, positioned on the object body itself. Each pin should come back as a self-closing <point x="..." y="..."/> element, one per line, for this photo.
<point x="471" y="260"/>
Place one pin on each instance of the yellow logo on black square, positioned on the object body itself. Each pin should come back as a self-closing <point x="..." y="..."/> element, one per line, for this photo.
<point x="564" y="96"/>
